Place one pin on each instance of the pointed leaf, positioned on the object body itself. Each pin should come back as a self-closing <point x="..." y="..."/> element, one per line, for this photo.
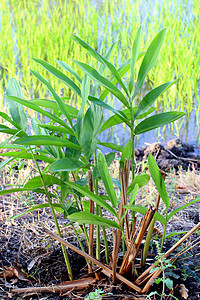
<point x="101" y="59"/>
<point x="134" y="56"/>
<point x="158" y="179"/>
<point x="122" y="71"/>
<point x="111" y="146"/>
<point x="105" y="82"/>
<point x="53" y="105"/>
<point x="143" y="210"/>
<point x="44" y="205"/>
<point x="7" y="118"/>
<point x="150" y="98"/>
<point x="182" y="207"/>
<point x="51" y="69"/>
<point x="105" y="176"/>
<point x="36" y="181"/>
<point x="33" y="106"/>
<point x="88" y="218"/>
<point x="150" y="59"/>
<point x="46" y="140"/>
<point x="25" y="155"/>
<point x="93" y="197"/>
<point x="60" y="103"/>
<point x="91" y="127"/>
<point x="85" y="89"/>
<point x="141" y="180"/>
<point x="16" y="110"/>
<point x="69" y="69"/>
<point x="66" y="164"/>
<point x="107" y="106"/>
<point x="157" y="121"/>
<point x="16" y="132"/>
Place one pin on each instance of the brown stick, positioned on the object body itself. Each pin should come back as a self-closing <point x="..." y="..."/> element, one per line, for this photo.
<point x="68" y="285"/>
<point x="114" y="255"/>
<point x="91" y="226"/>
<point x="105" y="269"/>
<point x="145" y="274"/>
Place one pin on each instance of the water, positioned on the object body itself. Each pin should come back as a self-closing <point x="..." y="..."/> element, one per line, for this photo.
<point x="187" y="128"/>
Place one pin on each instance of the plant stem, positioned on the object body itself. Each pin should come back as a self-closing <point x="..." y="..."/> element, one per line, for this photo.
<point x="54" y="217"/>
<point x="97" y="213"/>
<point x="163" y="237"/>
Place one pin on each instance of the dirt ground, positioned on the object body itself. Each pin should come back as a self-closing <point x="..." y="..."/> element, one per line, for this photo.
<point x="34" y="259"/>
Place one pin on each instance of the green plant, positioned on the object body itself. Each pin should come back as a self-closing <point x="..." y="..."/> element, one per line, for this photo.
<point x="164" y="264"/>
<point x="96" y="295"/>
<point x="68" y="142"/>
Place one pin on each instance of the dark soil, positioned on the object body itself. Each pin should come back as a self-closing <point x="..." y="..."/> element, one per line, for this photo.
<point x="23" y="242"/>
<point x="175" y="154"/>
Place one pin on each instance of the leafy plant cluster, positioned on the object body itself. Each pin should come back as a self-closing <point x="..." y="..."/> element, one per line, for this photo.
<point x="70" y="139"/>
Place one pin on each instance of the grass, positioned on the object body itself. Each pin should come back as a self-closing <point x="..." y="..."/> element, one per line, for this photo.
<point x="42" y="30"/>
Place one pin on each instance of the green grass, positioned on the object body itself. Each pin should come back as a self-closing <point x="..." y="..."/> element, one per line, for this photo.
<point x="42" y="29"/>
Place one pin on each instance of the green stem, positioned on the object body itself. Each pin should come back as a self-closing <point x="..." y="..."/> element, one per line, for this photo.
<point x="164" y="232"/>
<point x="147" y="242"/>
<point x="54" y="217"/>
<point x="105" y="242"/>
<point x="97" y="213"/>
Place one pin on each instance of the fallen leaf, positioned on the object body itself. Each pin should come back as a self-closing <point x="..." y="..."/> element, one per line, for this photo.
<point x="10" y="272"/>
<point x="183" y="291"/>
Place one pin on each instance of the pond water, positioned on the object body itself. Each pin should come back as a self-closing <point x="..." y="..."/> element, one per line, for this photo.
<point x="187" y="128"/>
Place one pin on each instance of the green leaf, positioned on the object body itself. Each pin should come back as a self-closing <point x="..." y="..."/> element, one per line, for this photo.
<point x="182" y="207"/>
<point x="55" y="205"/>
<point x="149" y="59"/>
<point x="149" y="111"/>
<point x="105" y="82"/>
<point x="158" y="179"/>
<point x="157" y="121"/>
<point x="169" y="283"/>
<point x="25" y="155"/>
<point x="16" y="110"/>
<point x="141" y="180"/>
<point x="56" y="128"/>
<point x="46" y="140"/>
<point x="66" y="164"/>
<point x="91" y="127"/>
<point x="102" y="66"/>
<point x="115" y="120"/>
<point x="69" y="69"/>
<point x="5" y="162"/>
<point x="143" y="210"/>
<point x="15" y="190"/>
<point x="134" y="56"/>
<point x="93" y="197"/>
<point x="101" y="59"/>
<point x="33" y="106"/>
<point x="16" y="132"/>
<point x="150" y="98"/>
<point x="105" y="176"/>
<point x="109" y="159"/>
<point x="57" y="73"/>
<point x="106" y="106"/>
<point x="126" y="153"/>
<point x="174" y="234"/>
<point x="53" y="105"/>
<point x="60" y="103"/>
<point x="122" y="71"/>
<point x="111" y="146"/>
<point x="36" y="181"/>
<point x="7" y="118"/>
<point x="85" y="89"/>
<point x="88" y="218"/>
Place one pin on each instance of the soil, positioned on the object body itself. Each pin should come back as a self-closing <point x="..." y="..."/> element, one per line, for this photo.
<point x="25" y="247"/>
<point x="175" y="154"/>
